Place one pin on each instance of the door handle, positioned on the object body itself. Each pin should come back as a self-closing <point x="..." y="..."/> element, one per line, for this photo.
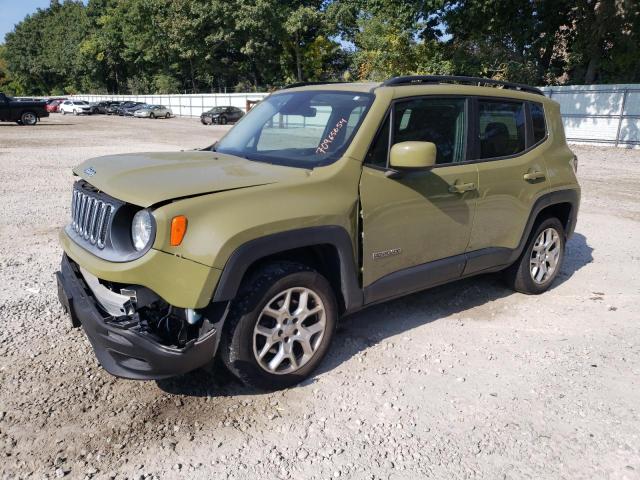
<point x="462" y="187"/>
<point x="532" y="175"/>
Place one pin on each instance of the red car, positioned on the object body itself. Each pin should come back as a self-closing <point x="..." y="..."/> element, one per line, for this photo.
<point x="52" y="104"/>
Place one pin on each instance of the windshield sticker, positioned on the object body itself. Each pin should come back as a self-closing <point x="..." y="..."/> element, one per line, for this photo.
<point x="324" y="145"/>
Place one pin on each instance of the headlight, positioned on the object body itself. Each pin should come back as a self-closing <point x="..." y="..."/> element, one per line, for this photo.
<point x="141" y="229"/>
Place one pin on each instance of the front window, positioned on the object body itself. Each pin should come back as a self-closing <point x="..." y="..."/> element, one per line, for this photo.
<point x="300" y="129"/>
<point x="441" y="121"/>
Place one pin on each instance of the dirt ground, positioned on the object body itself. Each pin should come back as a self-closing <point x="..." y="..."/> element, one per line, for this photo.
<point x="468" y="380"/>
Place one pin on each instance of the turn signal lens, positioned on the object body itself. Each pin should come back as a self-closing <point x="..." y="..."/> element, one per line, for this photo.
<point x="178" y="229"/>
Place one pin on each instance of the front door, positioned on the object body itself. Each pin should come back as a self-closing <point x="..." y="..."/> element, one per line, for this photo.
<point x="419" y="217"/>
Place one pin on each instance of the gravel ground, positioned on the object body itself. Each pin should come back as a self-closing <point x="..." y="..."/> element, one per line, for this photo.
<point x="468" y="380"/>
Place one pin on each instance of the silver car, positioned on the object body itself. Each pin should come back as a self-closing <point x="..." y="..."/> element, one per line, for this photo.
<point x="154" y="111"/>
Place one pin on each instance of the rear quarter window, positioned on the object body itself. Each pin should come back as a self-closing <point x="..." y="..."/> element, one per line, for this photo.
<point x="538" y="122"/>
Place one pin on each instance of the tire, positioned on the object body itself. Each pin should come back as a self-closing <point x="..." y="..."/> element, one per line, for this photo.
<point x="29" y="118"/>
<point x="75" y="112"/>
<point x="241" y="345"/>
<point x="64" y="112"/>
<point x="222" y="121"/>
<point x="168" y="115"/>
<point x="530" y="273"/>
<point x="152" y="115"/>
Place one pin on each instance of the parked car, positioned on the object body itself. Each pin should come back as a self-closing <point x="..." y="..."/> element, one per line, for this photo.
<point x="23" y="112"/>
<point x="154" y="111"/>
<point x="326" y="199"/>
<point x="113" y="107"/>
<point x="126" y="104"/>
<point x="52" y="106"/>
<point x="130" y="107"/>
<point x="77" y="107"/>
<point x="129" y="112"/>
<point x="221" y="115"/>
<point x="99" y="107"/>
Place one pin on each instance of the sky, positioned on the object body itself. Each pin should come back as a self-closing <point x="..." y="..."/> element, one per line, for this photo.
<point x="12" y="11"/>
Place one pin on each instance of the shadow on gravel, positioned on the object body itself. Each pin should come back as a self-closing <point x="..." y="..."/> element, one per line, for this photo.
<point x="212" y="381"/>
<point x="371" y="326"/>
<point x="578" y="254"/>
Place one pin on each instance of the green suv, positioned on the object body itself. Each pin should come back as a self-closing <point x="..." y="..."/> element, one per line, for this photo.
<point x="323" y="200"/>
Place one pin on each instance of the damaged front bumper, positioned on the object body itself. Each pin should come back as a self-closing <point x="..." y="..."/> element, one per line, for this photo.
<point x="129" y="345"/>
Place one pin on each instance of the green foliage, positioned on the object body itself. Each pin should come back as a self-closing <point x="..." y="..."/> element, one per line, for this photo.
<point x="170" y="46"/>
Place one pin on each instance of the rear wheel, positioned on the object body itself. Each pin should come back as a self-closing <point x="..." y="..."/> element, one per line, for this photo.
<point x="540" y="262"/>
<point x="29" y="118"/>
<point x="280" y="327"/>
<point x="168" y="115"/>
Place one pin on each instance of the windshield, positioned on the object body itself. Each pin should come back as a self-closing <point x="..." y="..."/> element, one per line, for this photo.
<point x="80" y="103"/>
<point x="216" y="110"/>
<point x="299" y="129"/>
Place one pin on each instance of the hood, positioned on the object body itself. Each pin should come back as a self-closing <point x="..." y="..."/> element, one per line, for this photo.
<point x="145" y="179"/>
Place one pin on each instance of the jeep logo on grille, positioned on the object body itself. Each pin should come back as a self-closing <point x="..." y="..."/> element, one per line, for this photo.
<point x="90" y="171"/>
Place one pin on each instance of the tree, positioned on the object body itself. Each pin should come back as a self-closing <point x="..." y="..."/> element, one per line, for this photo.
<point x="169" y="46"/>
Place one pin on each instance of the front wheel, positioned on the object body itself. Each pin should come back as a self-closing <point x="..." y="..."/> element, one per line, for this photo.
<point x="280" y="327"/>
<point x="75" y="112"/>
<point x="222" y="121"/>
<point x="64" y="112"/>
<point x="540" y="262"/>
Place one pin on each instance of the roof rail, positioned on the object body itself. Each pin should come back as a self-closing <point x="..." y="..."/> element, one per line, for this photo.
<point x="479" y="81"/>
<point x="305" y="84"/>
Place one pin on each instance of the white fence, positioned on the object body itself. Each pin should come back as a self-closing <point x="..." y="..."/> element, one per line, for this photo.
<point x="600" y="114"/>
<point x="184" y="105"/>
<point x="594" y="114"/>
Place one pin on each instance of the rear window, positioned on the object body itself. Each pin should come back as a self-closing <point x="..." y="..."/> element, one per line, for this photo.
<point x="538" y="122"/>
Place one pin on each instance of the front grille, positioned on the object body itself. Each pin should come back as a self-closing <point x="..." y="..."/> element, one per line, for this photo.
<point x="90" y="217"/>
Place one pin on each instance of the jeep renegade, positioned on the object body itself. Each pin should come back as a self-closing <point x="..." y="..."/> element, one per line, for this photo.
<point x="324" y="199"/>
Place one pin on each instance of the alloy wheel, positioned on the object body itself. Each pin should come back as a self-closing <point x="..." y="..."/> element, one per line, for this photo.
<point x="289" y="330"/>
<point x="545" y="256"/>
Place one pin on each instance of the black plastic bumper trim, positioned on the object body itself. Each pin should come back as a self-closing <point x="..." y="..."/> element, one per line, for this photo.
<point x="121" y="351"/>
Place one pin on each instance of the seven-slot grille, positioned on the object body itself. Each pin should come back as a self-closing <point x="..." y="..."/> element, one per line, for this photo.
<point x="90" y="217"/>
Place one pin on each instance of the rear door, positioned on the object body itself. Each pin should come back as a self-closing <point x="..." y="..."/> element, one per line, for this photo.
<point x="421" y="216"/>
<point x="512" y="173"/>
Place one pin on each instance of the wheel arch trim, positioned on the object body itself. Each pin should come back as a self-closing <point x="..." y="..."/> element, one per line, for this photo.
<point x="570" y="196"/>
<point x="247" y="254"/>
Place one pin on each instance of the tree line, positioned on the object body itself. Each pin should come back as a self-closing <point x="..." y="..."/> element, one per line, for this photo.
<point x="178" y="46"/>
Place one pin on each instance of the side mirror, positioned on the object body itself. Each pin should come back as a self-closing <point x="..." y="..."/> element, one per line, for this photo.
<point x="413" y="155"/>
